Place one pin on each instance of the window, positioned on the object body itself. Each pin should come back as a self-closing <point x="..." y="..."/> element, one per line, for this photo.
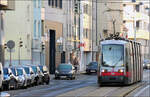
<point x="137" y="24"/>
<point x="35" y="28"/>
<point x="34" y="3"/>
<point x="39" y="29"/>
<point x="133" y="0"/>
<point x="52" y="3"/>
<point x="56" y="3"/>
<point x="49" y="2"/>
<point x="60" y="4"/>
<point x="112" y="55"/>
<point x="86" y="9"/>
<point x="39" y="3"/>
<point x="137" y="7"/>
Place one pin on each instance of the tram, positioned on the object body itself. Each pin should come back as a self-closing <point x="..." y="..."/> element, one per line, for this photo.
<point x="120" y="61"/>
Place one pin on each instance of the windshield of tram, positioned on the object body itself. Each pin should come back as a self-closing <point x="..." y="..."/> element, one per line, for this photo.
<point x="112" y="55"/>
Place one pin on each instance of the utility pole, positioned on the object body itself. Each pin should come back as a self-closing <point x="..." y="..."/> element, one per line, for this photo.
<point x="114" y="21"/>
<point x="1" y="40"/>
<point x="81" y="36"/>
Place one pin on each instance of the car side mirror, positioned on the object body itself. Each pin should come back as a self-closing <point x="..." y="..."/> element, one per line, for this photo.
<point x="31" y="73"/>
<point x="10" y="73"/>
<point x="44" y="71"/>
<point x="0" y="72"/>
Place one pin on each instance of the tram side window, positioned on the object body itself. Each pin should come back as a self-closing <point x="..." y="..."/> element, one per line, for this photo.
<point x="127" y="59"/>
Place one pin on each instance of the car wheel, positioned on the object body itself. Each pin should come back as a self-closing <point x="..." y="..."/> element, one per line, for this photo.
<point x="16" y="85"/>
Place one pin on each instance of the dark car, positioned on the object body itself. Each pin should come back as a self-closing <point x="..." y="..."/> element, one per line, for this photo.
<point x="38" y="74"/>
<point x="146" y="64"/>
<point x="65" y="70"/>
<point x="46" y="76"/>
<point x="91" y="67"/>
<point x="9" y="80"/>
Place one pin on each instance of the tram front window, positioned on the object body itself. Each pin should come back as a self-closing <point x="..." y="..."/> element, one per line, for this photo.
<point x="112" y="55"/>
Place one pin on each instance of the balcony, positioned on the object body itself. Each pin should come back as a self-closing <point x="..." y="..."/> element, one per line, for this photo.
<point x="7" y="4"/>
<point x="3" y="2"/>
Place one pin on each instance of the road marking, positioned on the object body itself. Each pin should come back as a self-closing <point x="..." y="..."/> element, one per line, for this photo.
<point x="79" y="92"/>
<point x="45" y="89"/>
<point x="142" y="90"/>
<point x="65" y="90"/>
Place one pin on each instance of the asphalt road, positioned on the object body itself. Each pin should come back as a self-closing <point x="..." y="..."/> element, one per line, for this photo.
<point x="85" y="85"/>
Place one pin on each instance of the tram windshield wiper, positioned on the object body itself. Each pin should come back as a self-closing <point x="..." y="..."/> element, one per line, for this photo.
<point x="117" y="62"/>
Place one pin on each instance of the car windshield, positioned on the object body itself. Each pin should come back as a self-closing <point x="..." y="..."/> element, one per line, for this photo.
<point x="5" y="70"/>
<point x="93" y="64"/>
<point x="112" y="55"/>
<point x="27" y="70"/>
<point x="64" y="67"/>
<point x="13" y="71"/>
<point x="20" y="71"/>
<point x="41" y="68"/>
<point x="34" y="69"/>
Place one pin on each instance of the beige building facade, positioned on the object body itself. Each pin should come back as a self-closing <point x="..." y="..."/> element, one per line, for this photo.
<point x="129" y="18"/>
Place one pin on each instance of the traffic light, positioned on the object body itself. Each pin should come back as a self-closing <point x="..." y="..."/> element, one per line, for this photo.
<point x="43" y="46"/>
<point x="5" y="46"/>
<point x="76" y="8"/>
<point x="20" y="43"/>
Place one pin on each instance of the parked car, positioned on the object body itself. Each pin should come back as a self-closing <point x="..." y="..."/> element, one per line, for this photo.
<point x="65" y="70"/>
<point x="46" y="76"/>
<point x="91" y="67"/>
<point x="22" y="80"/>
<point x="1" y="76"/>
<point x="38" y="74"/>
<point x="9" y="80"/>
<point x="30" y="74"/>
<point x="146" y="64"/>
<point x="14" y="71"/>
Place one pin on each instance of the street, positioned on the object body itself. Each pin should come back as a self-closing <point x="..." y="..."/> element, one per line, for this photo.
<point x="85" y="85"/>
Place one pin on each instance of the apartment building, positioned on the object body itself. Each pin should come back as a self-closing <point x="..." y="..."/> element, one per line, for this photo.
<point x="4" y="5"/>
<point x="62" y="27"/>
<point x="129" y="18"/>
<point x="21" y="28"/>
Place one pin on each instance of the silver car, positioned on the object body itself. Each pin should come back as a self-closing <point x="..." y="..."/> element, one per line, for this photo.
<point x="30" y="74"/>
<point x="22" y="78"/>
<point x="38" y="74"/>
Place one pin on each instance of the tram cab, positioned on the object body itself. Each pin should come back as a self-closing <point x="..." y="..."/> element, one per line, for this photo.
<point x="119" y="62"/>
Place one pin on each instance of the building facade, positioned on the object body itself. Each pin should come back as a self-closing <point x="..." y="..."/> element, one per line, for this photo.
<point x="62" y="27"/>
<point x="37" y="31"/>
<point x="19" y="28"/>
<point x="129" y="18"/>
<point x="4" y="5"/>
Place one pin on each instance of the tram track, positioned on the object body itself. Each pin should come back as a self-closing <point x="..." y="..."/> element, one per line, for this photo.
<point x="124" y="91"/>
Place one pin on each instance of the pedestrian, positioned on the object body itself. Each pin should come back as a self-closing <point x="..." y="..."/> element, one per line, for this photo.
<point x="76" y="63"/>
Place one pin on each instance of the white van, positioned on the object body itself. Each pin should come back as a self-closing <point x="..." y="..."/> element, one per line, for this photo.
<point x="1" y="75"/>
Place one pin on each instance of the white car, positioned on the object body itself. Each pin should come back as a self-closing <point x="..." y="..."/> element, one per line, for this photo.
<point x="1" y="75"/>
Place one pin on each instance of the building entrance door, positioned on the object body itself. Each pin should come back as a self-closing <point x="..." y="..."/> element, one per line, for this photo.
<point x="52" y="52"/>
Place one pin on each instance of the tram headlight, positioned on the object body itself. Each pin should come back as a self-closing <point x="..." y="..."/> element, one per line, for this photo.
<point x="121" y="70"/>
<point x="103" y="70"/>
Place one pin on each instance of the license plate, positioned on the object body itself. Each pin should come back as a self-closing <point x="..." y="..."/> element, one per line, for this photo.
<point x="63" y="76"/>
<point x="92" y="70"/>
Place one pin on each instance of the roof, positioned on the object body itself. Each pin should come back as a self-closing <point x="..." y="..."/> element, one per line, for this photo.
<point x="114" y="42"/>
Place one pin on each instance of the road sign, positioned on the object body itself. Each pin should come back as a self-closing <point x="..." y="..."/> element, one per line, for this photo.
<point x="10" y="44"/>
